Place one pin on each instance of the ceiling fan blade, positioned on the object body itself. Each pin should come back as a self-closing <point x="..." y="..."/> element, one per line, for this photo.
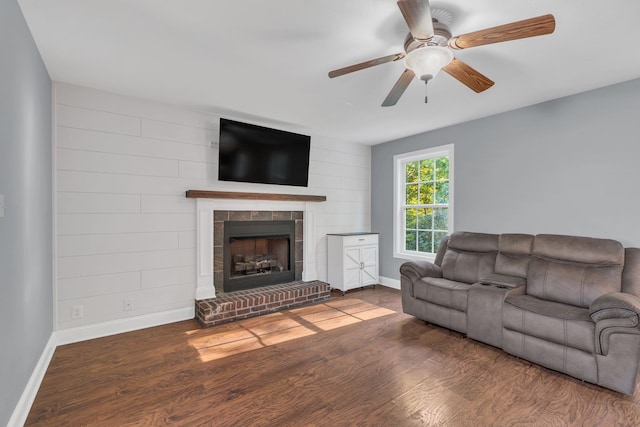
<point x="366" y="64"/>
<point x="538" y="26"/>
<point x="398" y="89"/>
<point x="417" y="14"/>
<point x="468" y="76"/>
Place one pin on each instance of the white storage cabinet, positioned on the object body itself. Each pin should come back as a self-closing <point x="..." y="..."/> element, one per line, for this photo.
<point x="352" y="260"/>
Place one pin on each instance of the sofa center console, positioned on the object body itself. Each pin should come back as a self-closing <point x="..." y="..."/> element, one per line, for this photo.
<point x="484" y="312"/>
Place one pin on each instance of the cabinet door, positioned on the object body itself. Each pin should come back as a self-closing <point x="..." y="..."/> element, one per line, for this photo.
<point x="369" y="257"/>
<point x="351" y="267"/>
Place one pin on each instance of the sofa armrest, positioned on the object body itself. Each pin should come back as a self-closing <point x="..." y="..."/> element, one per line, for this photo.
<point x="614" y="313"/>
<point x="419" y="269"/>
<point x="615" y="305"/>
<point x="412" y="271"/>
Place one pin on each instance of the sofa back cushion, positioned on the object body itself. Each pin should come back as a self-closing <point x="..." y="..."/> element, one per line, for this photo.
<point x="442" y="248"/>
<point x="514" y="254"/>
<point x="574" y="270"/>
<point x="469" y="256"/>
<point x="631" y="272"/>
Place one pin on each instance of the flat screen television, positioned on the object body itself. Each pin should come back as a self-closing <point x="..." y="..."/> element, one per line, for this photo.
<point x="250" y="153"/>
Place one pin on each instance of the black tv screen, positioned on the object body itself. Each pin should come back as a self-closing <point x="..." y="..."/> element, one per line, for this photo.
<point x="250" y="153"/>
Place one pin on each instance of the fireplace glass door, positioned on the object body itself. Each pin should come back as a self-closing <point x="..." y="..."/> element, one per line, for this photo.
<point x="258" y="253"/>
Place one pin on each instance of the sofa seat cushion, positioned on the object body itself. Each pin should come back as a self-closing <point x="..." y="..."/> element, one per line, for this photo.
<point x="443" y="292"/>
<point x="560" y="323"/>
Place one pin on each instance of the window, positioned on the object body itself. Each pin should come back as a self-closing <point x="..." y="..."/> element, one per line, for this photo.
<point x="423" y="208"/>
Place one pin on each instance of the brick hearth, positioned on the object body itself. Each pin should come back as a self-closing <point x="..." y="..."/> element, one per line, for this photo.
<point x="238" y="305"/>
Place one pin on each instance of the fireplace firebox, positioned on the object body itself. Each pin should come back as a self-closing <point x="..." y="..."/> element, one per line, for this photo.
<point x="258" y="253"/>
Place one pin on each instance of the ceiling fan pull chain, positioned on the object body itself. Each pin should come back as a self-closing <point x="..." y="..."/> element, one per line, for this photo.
<point x="426" y="78"/>
<point x="426" y="87"/>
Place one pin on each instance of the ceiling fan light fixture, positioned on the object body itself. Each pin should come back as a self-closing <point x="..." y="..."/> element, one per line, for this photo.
<point x="427" y="61"/>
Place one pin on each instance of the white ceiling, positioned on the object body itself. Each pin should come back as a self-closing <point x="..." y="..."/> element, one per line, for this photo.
<point x="267" y="61"/>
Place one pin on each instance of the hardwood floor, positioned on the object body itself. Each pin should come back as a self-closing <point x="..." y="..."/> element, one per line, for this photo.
<point x="353" y="361"/>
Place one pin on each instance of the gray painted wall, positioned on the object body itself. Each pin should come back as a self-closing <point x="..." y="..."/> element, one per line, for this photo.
<point x="569" y="166"/>
<point x="26" y="302"/>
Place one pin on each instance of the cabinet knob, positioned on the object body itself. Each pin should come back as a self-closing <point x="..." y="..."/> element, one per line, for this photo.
<point x="361" y="239"/>
<point x="362" y="266"/>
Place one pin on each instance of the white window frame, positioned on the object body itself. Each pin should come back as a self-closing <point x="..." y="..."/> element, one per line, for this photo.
<point x="399" y="218"/>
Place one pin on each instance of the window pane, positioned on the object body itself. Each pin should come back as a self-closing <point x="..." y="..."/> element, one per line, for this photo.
<point x="442" y="192"/>
<point x="440" y="219"/>
<point x="426" y="194"/>
<point x="412" y="194"/>
<point x="427" y="169"/>
<point x="425" y="241"/>
<point x="425" y="219"/>
<point x="442" y="168"/>
<point x="411" y="218"/>
<point x="437" y="236"/>
<point x="411" y="170"/>
<point x="410" y="240"/>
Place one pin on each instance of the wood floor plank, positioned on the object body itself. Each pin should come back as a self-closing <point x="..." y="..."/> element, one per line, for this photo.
<point x="355" y="360"/>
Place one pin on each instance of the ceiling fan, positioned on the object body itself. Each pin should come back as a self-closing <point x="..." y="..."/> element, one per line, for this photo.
<point x="428" y="48"/>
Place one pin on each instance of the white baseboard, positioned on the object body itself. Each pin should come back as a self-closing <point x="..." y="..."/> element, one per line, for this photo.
<point x="390" y="283"/>
<point x="21" y="412"/>
<point x="89" y="332"/>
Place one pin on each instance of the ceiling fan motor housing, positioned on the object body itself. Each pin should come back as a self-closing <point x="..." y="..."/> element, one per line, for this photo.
<point x="441" y="36"/>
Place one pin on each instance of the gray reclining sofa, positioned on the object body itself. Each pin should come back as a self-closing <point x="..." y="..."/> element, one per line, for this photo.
<point x="568" y="303"/>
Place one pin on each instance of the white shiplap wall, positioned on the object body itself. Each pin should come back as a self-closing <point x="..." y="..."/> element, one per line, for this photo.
<point x="124" y="226"/>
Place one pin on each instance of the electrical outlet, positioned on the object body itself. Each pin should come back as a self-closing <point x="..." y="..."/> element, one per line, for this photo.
<point x="77" y="311"/>
<point x="128" y="304"/>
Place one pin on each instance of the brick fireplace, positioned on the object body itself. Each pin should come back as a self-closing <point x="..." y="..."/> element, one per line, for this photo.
<point x="215" y="303"/>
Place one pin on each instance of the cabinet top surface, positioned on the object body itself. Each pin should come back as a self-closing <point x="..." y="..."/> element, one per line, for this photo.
<point x="363" y="233"/>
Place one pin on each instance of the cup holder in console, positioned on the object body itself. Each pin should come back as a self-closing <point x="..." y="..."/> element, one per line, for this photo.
<point x="493" y="284"/>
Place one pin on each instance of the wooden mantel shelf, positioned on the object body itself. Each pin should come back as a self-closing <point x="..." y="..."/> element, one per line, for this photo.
<point x="204" y="194"/>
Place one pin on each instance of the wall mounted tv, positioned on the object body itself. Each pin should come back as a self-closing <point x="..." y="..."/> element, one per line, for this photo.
<point x="250" y="153"/>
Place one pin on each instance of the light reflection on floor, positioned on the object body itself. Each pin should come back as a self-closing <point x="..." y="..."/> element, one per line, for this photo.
<point x="259" y="332"/>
